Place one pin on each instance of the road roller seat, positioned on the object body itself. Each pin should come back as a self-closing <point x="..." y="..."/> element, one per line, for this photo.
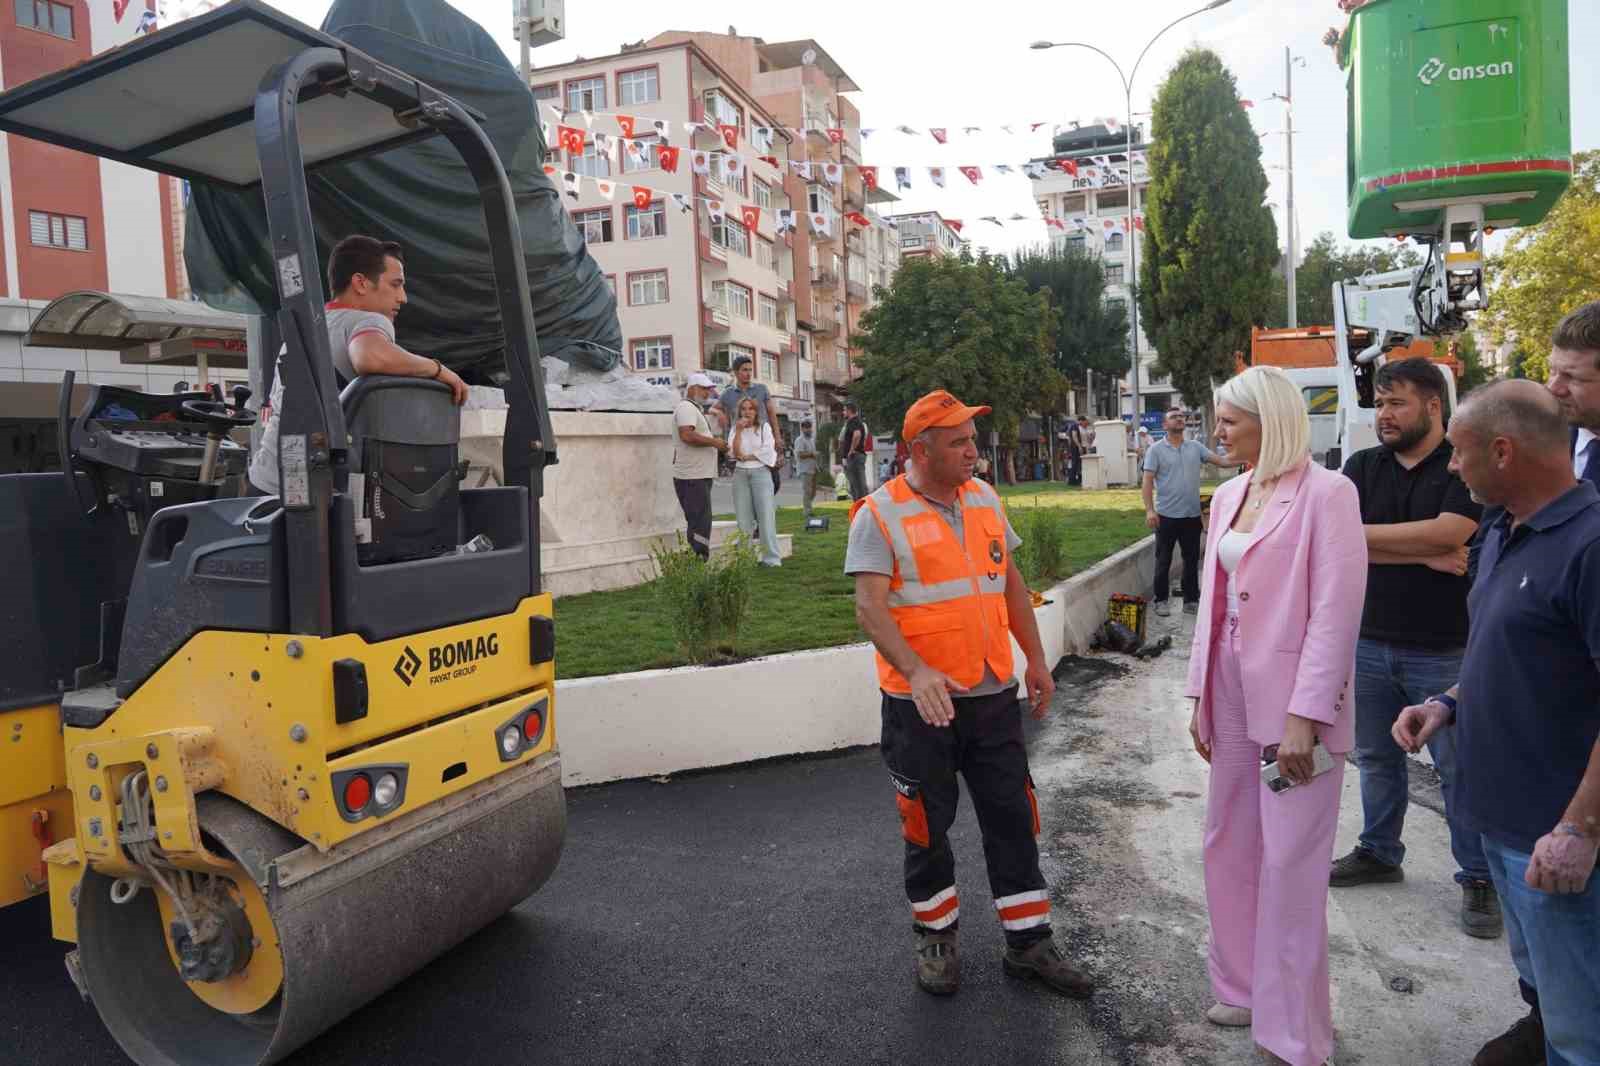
<point x="404" y="436"/>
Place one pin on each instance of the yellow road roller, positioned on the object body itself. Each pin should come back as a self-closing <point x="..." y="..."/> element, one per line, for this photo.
<point x="270" y="755"/>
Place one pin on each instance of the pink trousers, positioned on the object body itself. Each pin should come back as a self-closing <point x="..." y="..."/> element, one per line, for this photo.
<point x="1267" y="857"/>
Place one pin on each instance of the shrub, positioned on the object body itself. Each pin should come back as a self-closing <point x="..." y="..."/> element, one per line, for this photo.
<point x="705" y="603"/>
<point x="1042" y="558"/>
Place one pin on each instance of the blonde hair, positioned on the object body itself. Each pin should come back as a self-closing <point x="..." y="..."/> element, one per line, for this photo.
<point x="1267" y="394"/>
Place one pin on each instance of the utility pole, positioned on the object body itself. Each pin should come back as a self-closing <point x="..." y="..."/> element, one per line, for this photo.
<point x="1288" y="210"/>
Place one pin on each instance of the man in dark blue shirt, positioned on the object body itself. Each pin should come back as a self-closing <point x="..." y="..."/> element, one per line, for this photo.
<point x="1528" y="721"/>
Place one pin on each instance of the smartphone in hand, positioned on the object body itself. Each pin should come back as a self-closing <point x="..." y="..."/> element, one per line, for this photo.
<point x="1321" y="763"/>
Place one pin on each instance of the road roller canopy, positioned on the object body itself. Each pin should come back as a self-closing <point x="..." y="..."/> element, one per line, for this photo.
<point x="181" y="100"/>
<point x="115" y="322"/>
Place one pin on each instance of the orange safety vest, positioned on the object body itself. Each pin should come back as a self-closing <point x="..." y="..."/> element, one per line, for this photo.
<point x="948" y="598"/>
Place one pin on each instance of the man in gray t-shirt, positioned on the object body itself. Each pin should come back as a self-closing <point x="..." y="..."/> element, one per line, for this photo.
<point x="368" y="282"/>
<point x="1172" y="506"/>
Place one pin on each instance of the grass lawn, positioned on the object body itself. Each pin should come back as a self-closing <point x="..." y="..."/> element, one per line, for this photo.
<point x="808" y="602"/>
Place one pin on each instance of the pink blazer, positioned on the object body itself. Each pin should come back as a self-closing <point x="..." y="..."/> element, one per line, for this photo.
<point x="1301" y="582"/>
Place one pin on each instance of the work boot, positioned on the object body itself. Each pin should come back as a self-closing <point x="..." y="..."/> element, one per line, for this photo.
<point x="938" y="964"/>
<point x="1480" y="910"/>
<point x="1520" y="1045"/>
<point x="1163" y="609"/>
<point x="1361" y="867"/>
<point x="1043" y="961"/>
<point x="1191" y="606"/>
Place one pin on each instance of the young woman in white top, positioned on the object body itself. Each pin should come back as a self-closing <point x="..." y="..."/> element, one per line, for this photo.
<point x="754" y="453"/>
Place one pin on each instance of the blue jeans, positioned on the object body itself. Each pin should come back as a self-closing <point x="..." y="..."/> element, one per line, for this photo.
<point x="754" y="507"/>
<point x="1555" y="944"/>
<point x="1389" y="678"/>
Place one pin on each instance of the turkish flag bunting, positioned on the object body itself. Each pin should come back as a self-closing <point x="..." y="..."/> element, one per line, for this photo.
<point x="858" y="218"/>
<point x="570" y="139"/>
<point x="972" y="174"/>
<point x="730" y="136"/>
<point x="869" y="176"/>
<point x="1070" y="166"/>
<point x="668" y="154"/>
<point x="1246" y="103"/>
<point x="549" y="170"/>
<point x="641" y="197"/>
<point x="119" y="8"/>
<point x="769" y="160"/>
<point x="625" y="123"/>
<point x="953" y="223"/>
<point x="836" y="134"/>
<point x="751" y="214"/>
<point x="939" y="134"/>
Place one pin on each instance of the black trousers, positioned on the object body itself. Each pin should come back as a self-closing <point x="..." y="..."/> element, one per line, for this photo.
<point x="983" y="744"/>
<point x="694" y="496"/>
<point x="1185" y="532"/>
<point x="1074" y="467"/>
<point x="855" y="472"/>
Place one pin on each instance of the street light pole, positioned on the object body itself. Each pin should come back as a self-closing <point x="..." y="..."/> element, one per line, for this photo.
<point x="1131" y="235"/>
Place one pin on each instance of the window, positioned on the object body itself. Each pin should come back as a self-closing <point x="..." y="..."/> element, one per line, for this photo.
<point x="1117" y="303"/>
<point x="541" y="93"/>
<point x="1114" y="242"/>
<point x="769" y="366"/>
<point x="649" y="287"/>
<point x="595" y="225"/>
<point x="611" y="283"/>
<point x="723" y="355"/>
<point x="858" y="270"/>
<point x="47" y="16"/>
<point x="819" y="200"/>
<point x="1110" y="199"/>
<point x="916" y="242"/>
<point x="723" y="111"/>
<point x="805" y="346"/>
<point x="586" y="94"/>
<point x="1322" y="399"/>
<point x="1113" y="273"/>
<point x="731" y="235"/>
<point x="638" y="86"/>
<point x="769" y="313"/>
<point x="648" y="157"/>
<point x="652" y="353"/>
<point x="651" y="222"/>
<point x="1072" y="203"/>
<point x="1044" y="207"/>
<point x="763" y="194"/>
<point x="735" y="298"/>
<point x="592" y="163"/>
<point x="58" y="231"/>
<point x="1075" y="244"/>
<point x="764" y="254"/>
<point x="841" y="358"/>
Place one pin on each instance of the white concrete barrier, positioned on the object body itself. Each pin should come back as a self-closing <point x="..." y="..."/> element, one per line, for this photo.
<point x="663" y="721"/>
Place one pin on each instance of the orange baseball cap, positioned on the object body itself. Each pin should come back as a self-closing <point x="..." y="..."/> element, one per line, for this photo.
<point x="938" y="408"/>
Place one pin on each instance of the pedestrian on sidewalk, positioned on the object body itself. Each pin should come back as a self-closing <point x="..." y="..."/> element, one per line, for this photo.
<point x="750" y="444"/>
<point x="1419" y="517"/>
<point x="805" y="457"/>
<point x="939" y="594"/>
<point x="1526" y="712"/>
<point x="694" y="462"/>
<point x="1172" y="507"/>
<point x="1271" y="665"/>
<point x="853" y="448"/>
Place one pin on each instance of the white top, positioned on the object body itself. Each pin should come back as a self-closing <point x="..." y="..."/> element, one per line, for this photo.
<point x="1230" y="549"/>
<point x="1580" y="452"/>
<point x="758" y="442"/>
<point x="691" y="462"/>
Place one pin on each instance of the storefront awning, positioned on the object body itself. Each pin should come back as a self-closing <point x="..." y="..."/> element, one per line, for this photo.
<point x="111" y="322"/>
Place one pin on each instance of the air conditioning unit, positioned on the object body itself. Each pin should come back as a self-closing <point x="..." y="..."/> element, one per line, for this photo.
<point x="543" y="21"/>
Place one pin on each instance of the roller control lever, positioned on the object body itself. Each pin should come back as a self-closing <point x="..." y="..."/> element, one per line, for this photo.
<point x="219" y="420"/>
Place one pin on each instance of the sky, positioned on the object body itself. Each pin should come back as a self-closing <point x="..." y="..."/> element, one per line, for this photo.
<point x="950" y="64"/>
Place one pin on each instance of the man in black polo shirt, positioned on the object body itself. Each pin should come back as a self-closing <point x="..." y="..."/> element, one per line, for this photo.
<point x="1418" y="518"/>
<point x="1526" y="712"/>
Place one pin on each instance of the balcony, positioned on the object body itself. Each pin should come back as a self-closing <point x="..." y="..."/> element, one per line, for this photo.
<point x="710" y="187"/>
<point x="824" y="278"/>
<point x="715" y="316"/>
<point x="785" y="291"/>
<point x="824" y="326"/>
<point x="790" y="344"/>
<point x="856" y="291"/>
<point x="851" y="153"/>
<point x="712" y="253"/>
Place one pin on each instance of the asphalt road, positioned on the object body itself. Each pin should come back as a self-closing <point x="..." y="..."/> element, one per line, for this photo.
<point x="755" y="915"/>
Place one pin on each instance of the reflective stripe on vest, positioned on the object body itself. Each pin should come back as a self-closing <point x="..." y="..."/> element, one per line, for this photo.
<point x="954" y="618"/>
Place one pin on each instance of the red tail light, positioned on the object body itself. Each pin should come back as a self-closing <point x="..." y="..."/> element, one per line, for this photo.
<point x="531" y="726"/>
<point x="357" y="793"/>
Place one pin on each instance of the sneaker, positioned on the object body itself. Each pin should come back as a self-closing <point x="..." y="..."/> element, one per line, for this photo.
<point x="1361" y="867"/>
<point x="1163" y="609"/>
<point x="1043" y="961"/>
<point x="1228" y="1016"/>
<point x="938" y="964"/>
<point x="1480" y="910"/>
<point x="1520" y="1045"/>
<point x="1191" y="607"/>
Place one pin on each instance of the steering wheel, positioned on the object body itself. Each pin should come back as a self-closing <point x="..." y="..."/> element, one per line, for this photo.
<point x="218" y="416"/>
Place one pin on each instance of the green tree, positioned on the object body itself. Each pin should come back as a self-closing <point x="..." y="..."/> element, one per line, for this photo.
<point x="1324" y="262"/>
<point x="1090" y="334"/>
<point x="959" y="324"/>
<point x="1210" y="242"/>
<point x="1464" y="348"/>
<point x="1548" y="270"/>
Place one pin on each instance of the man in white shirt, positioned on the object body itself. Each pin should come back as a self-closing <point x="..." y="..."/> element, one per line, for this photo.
<point x="1575" y="382"/>
<point x="368" y="281"/>
<point x="694" y="462"/>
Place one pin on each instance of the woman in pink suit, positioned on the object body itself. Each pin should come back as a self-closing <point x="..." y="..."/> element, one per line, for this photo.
<point x="1272" y="664"/>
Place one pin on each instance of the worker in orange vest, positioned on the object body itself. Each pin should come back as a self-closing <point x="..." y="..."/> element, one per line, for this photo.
<point x="940" y="596"/>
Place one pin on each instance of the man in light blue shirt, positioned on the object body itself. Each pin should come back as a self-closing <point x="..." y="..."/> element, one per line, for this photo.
<point x="1172" y="507"/>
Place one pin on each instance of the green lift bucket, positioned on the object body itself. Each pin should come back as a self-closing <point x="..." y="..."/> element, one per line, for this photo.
<point x="1456" y="101"/>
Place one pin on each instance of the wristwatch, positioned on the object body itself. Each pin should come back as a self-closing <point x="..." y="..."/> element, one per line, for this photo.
<point x="1449" y="702"/>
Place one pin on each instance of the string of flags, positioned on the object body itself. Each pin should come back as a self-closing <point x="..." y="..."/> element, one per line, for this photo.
<point x="750" y="216"/>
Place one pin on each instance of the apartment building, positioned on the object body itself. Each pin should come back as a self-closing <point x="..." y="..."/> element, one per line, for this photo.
<point x="805" y="89"/>
<point x="1093" y="204"/>
<point x="71" y="221"/>
<point x="928" y="233"/>
<point x="694" y="291"/>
